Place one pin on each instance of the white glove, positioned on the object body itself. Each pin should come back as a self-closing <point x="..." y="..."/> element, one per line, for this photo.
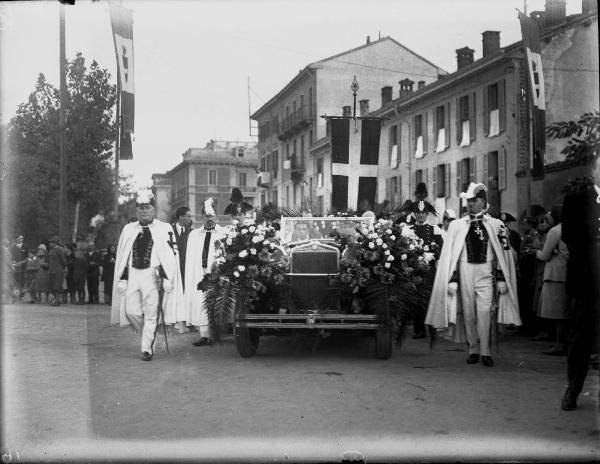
<point x="502" y="287"/>
<point x="167" y="285"/>
<point x="122" y="286"/>
<point x="452" y="288"/>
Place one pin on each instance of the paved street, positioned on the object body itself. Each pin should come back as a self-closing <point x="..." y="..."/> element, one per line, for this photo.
<point x="74" y="388"/>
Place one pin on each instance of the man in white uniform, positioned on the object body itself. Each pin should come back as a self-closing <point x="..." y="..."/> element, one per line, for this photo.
<point x="199" y="260"/>
<point x="476" y="268"/>
<point x="144" y="258"/>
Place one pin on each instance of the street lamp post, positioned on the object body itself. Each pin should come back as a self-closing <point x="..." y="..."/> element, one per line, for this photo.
<point x="354" y="87"/>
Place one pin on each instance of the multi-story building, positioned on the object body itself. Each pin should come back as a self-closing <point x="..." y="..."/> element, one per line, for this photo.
<point x="206" y="172"/>
<point x="474" y="125"/>
<point x="293" y="145"/>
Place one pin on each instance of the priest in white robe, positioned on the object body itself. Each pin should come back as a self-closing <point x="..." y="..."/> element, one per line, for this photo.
<point x="144" y="261"/>
<point x="199" y="261"/>
<point x="174" y="302"/>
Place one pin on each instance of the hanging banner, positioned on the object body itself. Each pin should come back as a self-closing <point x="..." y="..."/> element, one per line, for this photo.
<point x="121" y="20"/>
<point x="531" y="43"/>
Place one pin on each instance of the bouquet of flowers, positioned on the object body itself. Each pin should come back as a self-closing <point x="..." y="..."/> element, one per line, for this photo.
<point x="386" y="266"/>
<point x="248" y="262"/>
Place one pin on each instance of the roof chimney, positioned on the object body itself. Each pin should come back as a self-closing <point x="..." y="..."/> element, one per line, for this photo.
<point x="420" y="85"/>
<point x="491" y="43"/>
<point x="364" y="107"/>
<point x="464" y="57"/>
<point x="386" y="95"/>
<point x="589" y="6"/>
<point x="556" y="12"/>
<point x="368" y="39"/>
<point x="347" y="111"/>
<point x="406" y="87"/>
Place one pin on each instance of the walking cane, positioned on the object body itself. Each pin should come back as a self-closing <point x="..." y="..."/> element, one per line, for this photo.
<point x="161" y="314"/>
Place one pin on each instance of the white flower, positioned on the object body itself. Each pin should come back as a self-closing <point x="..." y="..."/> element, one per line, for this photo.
<point x="256" y="239"/>
<point x="244" y="231"/>
<point x="241" y="268"/>
<point x="386" y="252"/>
<point x="251" y="229"/>
<point x="426" y="248"/>
<point x="371" y="245"/>
<point x="271" y="245"/>
<point x="235" y="222"/>
<point x="221" y="260"/>
<point x="403" y="257"/>
<point x="236" y="273"/>
<point x="384" y="246"/>
<point x="379" y="241"/>
<point x="407" y="232"/>
<point x="392" y="237"/>
<point x="411" y="247"/>
<point x="388" y="231"/>
<point x="387" y="265"/>
<point x="229" y="242"/>
<point x="371" y="228"/>
<point x="243" y="254"/>
<point x="428" y="257"/>
<point x="390" y="258"/>
<point x="381" y="221"/>
<point x="252" y="251"/>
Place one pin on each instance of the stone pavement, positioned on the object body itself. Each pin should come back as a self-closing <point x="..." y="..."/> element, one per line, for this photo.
<point x="75" y="388"/>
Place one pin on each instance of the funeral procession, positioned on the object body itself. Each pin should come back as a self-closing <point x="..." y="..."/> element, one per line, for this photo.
<point x="260" y="231"/>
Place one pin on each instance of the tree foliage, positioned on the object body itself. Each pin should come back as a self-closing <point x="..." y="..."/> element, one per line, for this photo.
<point x="584" y="136"/>
<point x="34" y="150"/>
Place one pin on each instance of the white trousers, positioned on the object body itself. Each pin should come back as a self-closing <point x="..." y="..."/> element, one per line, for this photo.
<point x="141" y="304"/>
<point x="476" y="293"/>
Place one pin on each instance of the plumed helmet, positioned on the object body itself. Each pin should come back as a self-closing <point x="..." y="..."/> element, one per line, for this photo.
<point x="421" y="207"/>
<point x="421" y="191"/>
<point x="208" y="209"/>
<point x="507" y="217"/>
<point x="475" y="191"/>
<point x="144" y="197"/>
<point x="237" y="205"/>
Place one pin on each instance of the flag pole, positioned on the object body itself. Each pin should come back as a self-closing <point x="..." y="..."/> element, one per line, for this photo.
<point x="62" y="208"/>
<point x="117" y="141"/>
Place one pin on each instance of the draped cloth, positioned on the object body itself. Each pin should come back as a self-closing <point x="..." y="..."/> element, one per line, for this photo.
<point x="194" y="273"/>
<point x="444" y="312"/>
<point x="164" y="254"/>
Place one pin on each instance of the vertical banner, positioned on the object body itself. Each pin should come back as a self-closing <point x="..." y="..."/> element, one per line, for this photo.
<point x="122" y="26"/>
<point x="354" y="156"/>
<point x="531" y="43"/>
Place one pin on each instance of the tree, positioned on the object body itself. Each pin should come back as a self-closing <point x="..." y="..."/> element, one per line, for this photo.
<point x="34" y="152"/>
<point x="584" y="136"/>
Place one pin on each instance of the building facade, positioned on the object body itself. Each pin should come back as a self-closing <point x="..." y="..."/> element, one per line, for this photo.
<point x="474" y="124"/>
<point x="212" y="171"/>
<point x="293" y="146"/>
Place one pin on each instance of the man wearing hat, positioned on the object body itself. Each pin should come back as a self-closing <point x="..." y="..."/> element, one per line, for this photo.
<point x="57" y="263"/>
<point x="199" y="261"/>
<point x="432" y="239"/>
<point x="238" y="207"/>
<point x="476" y="267"/>
<point x="174" y="302"/>
<point x="144" y="258"/>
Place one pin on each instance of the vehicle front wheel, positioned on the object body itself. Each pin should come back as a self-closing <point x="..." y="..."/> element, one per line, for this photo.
<point x="246" y="341"/>
<point x="383" y="343"/>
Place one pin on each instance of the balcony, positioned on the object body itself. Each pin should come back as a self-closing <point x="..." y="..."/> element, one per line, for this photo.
<point x="296" y="122"/>
<point x="295" y="168"/>
<point x="263" y="179"/>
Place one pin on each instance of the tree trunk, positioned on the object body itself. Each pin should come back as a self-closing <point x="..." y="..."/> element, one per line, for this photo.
<point x="75" y="222"/>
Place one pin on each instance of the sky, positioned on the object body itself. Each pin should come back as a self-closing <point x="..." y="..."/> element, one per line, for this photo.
<point x="193" y="58"/>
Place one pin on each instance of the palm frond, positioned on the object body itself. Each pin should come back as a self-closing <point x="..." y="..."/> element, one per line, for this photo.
<point x="221" y="297"/>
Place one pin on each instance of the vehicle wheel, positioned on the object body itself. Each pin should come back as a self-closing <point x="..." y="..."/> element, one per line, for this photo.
<point x="383" y="343"/>
<point x="246" y="341"/>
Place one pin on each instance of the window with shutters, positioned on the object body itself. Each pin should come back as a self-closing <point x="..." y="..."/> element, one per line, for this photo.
<point x="463" y="175"/>
<point x="287" y="196"/>
<point x="275" y="157"/>
<point x="394" y="146"/>
<point x="440" y="180"/>
<point x="418" y="176"/>
<point x="320" y="173"/>
<point x="274" y="198"/>
<point x="263" y="163"/>
<point x="440" y="128"/>
<point x="242" y="179"/>
<point x="212" y="177"/>
<point x="418" y="136"/>
<point x="393" y="188"/>
<point x="494" y="108"/>
<point x="463" y="126"/>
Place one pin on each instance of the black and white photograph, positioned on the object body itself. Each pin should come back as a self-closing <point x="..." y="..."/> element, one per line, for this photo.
<point x="283" y="231"/>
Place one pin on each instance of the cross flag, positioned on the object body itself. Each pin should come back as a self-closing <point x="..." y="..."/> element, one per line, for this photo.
<point x="531" y="43"/>
<point x="122" y="26"/>
<point x="354" y="162"/>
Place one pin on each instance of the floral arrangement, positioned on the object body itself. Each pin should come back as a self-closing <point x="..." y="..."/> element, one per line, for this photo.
<point x="386" y="253"/>
<point x="248" y="261"/>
